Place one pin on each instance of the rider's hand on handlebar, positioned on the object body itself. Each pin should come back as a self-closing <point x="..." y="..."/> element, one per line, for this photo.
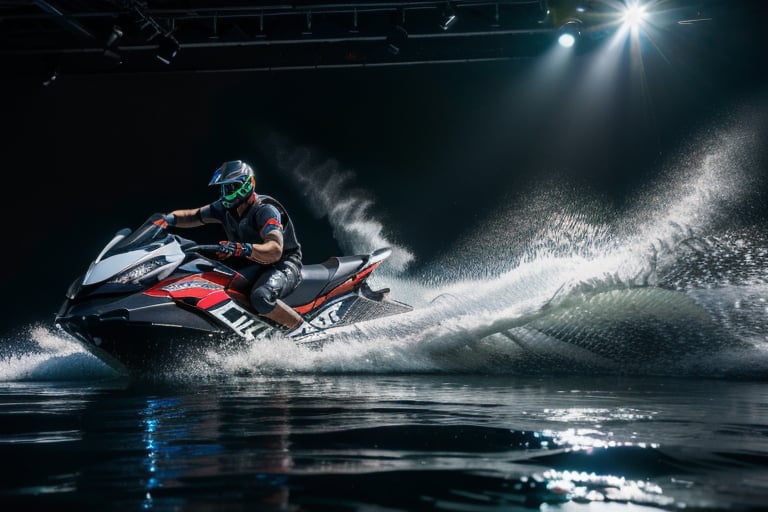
<point x="167" y="220"/>
<point x="228" y="249"/>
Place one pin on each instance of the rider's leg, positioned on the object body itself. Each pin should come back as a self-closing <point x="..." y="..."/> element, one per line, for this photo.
<point x="284" y="315"/>
<point x="272" y="284"/>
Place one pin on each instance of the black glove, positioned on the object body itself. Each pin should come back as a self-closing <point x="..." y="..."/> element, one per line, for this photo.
<point x="228" y="249"/>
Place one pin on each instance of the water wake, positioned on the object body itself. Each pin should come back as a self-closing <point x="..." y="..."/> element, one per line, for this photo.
<point x="556" y="283"/>
<point x="42" y="354"/>
<point x="669" y="285"/>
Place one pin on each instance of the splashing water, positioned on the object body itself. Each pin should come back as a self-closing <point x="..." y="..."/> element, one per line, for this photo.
<point x="575" y="288"/>
<point x="671" y="286"/>
<point x="52" y="357"/>
<point x="330" y="192"/>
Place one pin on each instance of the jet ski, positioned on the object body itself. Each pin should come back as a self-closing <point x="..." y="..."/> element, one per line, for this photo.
<point x="152" y="298"/>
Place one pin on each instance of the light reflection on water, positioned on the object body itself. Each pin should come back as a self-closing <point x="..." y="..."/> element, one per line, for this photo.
<point x="394" y="442"/>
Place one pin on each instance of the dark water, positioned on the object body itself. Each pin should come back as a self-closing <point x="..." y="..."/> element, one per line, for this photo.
<point x="389" y="442"/>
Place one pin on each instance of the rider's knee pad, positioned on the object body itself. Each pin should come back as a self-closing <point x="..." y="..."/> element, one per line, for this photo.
<point x="263" y="299"/>
<point x="264" y="295"/>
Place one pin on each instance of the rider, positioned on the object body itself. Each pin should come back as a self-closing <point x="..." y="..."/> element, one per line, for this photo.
<point x="258" y="229"/>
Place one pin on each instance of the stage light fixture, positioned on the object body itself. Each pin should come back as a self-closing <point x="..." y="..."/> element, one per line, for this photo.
<point x="112" y="43"/>
<point x="449" y="17"/>
<point x="114" y="37"/>
<point x="396" y="39"/>
<point x="167" y="49"/>
<point x="569" y="33"/>
<point x="51" y="78"/>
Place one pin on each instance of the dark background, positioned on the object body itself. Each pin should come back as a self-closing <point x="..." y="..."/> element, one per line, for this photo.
<point x="435" y="145"/>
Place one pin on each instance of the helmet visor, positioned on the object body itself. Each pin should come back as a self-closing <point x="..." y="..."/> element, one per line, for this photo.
<point x="230" y="192"/>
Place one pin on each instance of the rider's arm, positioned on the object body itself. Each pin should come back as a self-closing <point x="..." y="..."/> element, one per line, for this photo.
<point x="270" y="250"/>
<point x="271" y="231"/>
<point x="192" y="218"/>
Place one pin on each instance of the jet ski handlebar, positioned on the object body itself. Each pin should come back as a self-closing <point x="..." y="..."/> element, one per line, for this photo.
<point x="203" y="248"/>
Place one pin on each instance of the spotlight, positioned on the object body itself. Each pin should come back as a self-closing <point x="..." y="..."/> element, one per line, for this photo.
<point x="569" y="33"/>
<point x="396" y="39"/>
<point x="449" y="17"/>
<point x="634" y="14"/>
<point x="167" y="49"/>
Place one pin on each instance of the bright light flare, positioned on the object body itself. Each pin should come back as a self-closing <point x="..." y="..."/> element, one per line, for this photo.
<point x="569" y="34"/>
<point x="566" y="40"/>
<point x="634" y="15"/>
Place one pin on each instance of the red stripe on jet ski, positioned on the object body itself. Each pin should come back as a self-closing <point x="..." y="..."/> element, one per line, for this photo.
<point x="212" y="299"/>
<point x="344" y="287"/>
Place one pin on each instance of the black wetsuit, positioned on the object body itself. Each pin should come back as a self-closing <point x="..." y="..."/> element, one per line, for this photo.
<point x="278" y="279"/>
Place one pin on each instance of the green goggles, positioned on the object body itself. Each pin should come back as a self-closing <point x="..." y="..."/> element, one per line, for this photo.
<point x="231" y="191"/>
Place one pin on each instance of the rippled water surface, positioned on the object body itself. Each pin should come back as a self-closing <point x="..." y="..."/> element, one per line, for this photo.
<point x="429" y="442"/>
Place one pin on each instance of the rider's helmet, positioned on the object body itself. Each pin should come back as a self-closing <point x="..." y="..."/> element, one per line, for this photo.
<point x="237" y="182"/>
